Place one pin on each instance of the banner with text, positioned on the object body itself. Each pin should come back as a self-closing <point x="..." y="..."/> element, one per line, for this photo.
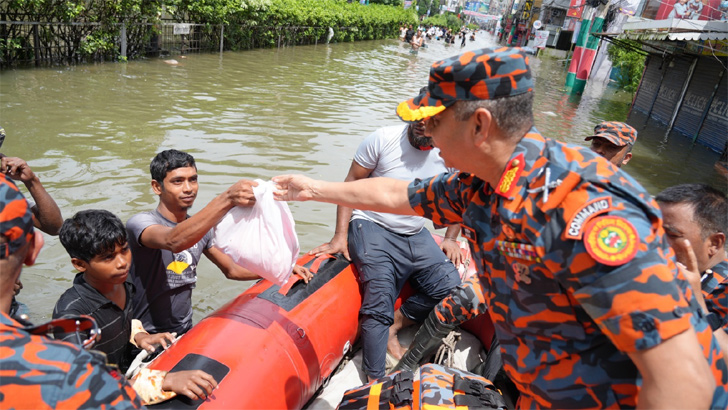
<point x="540" y="39"/>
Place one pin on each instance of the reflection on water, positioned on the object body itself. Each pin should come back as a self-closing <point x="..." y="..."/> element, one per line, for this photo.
<point x="90" y="131"/>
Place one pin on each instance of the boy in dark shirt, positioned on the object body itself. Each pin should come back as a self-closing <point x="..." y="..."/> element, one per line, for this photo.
<point x="96" y="241"/>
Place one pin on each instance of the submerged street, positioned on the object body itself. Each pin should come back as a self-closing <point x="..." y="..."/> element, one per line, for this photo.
<point x="89" y="132"/>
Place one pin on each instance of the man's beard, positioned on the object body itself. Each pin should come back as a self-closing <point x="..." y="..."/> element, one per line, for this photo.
<point x="415" y="132"/>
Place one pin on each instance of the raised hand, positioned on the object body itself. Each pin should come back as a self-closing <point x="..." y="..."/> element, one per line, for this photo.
<point x="241" y="193"/>
<point x="688" y="263"/>
<point x="16" y="168"/>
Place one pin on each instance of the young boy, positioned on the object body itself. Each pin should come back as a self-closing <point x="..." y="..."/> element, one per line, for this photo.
<point x="96" y="241"/>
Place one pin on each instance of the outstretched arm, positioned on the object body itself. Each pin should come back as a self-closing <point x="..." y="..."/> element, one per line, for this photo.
<point x="190" y="231"/>
<point x="46" y="214"/>
<point x="373" y="194"/>
<point x="339" y="243"/>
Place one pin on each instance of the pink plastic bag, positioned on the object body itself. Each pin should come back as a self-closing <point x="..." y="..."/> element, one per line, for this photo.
<point x="261" y="238"/>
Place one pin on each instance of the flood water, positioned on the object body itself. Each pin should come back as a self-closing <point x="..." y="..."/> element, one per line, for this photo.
<point x="90" y="131"/>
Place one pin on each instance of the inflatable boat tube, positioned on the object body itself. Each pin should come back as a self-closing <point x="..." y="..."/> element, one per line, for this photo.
<point x="272" y="348"/>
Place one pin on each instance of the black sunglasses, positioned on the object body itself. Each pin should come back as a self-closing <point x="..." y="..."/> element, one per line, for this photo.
<point x="84" y="328"/>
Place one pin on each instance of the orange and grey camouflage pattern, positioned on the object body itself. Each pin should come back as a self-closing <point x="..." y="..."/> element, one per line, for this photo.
<point x="715" y="292"/>
<point x="464" y="302"/>
<point x="394" y="391"/>
<point x="484" y="74"/>
<point x="618" y="133"/>
<point x="16" y="221"/>
<point x="444" y="387"/>
<point x="574" y="272"/>
<point x="41" y="373"/>
<point x="438" y="387"/>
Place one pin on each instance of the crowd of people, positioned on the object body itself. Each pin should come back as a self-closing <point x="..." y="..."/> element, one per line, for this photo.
<point x="600" y="295"/>
<point x="418" y="37"/>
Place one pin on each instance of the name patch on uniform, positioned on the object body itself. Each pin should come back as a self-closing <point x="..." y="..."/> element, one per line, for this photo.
<point x="468" y="233"/>
<point x="583" y="215"/>
<point x="611" y="240"/>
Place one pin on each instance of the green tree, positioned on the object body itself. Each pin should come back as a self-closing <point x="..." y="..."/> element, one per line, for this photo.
<point x="629" y="61"/>
<point x="447" y="19"/>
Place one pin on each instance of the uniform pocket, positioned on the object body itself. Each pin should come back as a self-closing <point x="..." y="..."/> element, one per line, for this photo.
<point x="543" y="305"/>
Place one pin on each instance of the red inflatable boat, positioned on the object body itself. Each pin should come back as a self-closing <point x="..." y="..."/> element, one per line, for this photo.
<point x="271" y="348"/>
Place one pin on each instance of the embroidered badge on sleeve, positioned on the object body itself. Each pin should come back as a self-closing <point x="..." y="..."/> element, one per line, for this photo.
<point x="611" y="240"/>
<point x="591" y="209"/>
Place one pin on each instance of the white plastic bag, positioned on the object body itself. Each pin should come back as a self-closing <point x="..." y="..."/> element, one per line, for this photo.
<point x="261" y="238"/>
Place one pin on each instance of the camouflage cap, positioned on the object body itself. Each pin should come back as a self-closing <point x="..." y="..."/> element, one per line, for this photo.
<point x="618" y="133"/>
<point x="16" y="221"/>
<point x="484" y="74"/>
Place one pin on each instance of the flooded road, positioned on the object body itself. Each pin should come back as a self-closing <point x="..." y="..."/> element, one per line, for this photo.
<point x="90" y="131"/>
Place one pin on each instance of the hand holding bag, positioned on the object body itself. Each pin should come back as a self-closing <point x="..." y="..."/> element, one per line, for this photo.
<point x="261" y="238"/>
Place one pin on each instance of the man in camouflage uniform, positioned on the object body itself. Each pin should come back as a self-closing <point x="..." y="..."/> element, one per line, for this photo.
<point x="696" y="222"/>
<point x="584" y="294"/>
<point x="38" y="372"/>
<point x="614" y="141"/>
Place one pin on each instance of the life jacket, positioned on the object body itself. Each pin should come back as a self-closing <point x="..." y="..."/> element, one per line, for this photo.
<point x="438" y="387"/>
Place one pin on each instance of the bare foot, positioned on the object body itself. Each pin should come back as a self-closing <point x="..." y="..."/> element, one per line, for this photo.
<point x="393" y="346"/>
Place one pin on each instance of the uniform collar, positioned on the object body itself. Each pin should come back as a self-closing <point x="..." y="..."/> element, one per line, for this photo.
<point x="6" y="320"/>
<point x="92" y="297"/>
<point x="720" y="271"/>
<point x="528" y="150"/>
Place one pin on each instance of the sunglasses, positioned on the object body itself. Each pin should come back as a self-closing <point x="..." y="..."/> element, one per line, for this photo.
<point x="83" y="327"/>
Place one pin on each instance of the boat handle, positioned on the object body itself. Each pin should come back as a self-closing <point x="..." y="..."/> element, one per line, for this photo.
<point x="301" y="332"/>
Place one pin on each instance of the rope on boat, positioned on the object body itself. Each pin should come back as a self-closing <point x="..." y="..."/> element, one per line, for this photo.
<point x="445" y="352"/>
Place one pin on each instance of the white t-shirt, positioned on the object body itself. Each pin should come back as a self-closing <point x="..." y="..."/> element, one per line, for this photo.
<point x="388" y="153"/>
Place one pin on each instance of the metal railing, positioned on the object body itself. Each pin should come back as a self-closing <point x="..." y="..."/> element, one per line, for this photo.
<point x="28" y="43"/>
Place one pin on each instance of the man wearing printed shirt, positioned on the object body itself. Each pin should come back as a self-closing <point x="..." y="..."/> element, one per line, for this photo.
<point x="587" y="303"/>
<point x="696" y="221"/>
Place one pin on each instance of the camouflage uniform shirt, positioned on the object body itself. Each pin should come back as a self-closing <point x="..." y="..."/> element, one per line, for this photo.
<point x="573" y="270"/>
<point x="41" y="373"/>
<point x="715" y="291"/>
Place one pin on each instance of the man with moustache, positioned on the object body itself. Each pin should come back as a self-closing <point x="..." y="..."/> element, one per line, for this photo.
<point x="597" y="316"/>
<point x="390" y="250"/>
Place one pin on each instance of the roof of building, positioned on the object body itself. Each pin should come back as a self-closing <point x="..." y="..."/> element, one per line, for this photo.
<point x="675" y="29"/>
<point x="675" y="35"/>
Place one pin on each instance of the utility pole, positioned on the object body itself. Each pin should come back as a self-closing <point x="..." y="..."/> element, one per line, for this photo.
<point x="586" y="48"/>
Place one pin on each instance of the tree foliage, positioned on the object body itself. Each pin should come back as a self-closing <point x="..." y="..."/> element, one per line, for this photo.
<point x="629" y="62"/>
<point x="263" y="23"/>
<point x="448" y="19"/>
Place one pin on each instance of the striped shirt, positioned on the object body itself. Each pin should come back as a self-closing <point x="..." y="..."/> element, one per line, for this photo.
<point x="115" y="323"/>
